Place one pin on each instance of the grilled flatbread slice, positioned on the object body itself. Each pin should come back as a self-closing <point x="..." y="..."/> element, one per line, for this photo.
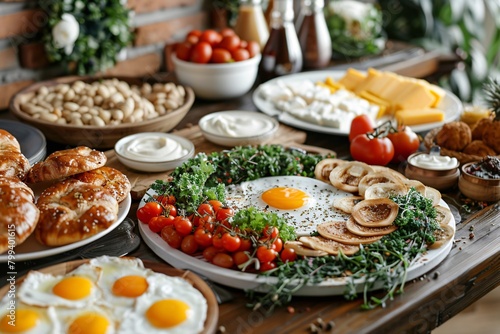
<point x="378" y="178"/>
<point x="364" y="231"/>
<point x="442" y="236"/>
<point x="337" y="230"/>
<point x="419" y="186"/>
<point x="443" y="215"/>
<point x="390" y="170"/>
<point x="329" y="246"/>
<point x="385" y="190"/>
<point x="375" y="212"/>
<point x="433" y="194"/>
<point x="301" y="249"/>
<point x="324" y="167"/>
<point x="347" y="176"/>
<point x="345" y="204"/>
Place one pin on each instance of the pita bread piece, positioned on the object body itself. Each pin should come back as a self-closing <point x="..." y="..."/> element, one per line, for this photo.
<point x="375" y="212"/>
<point x="329" y="246"/>
<point x="364" y="231"/>
<point x="345" y="204"/>
<point x="337" y="230"/>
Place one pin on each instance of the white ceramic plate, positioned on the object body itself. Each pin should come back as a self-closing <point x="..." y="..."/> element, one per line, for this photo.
<point x="241" y="280"/>
<point x="31" y="249"/>
<point x="450" y="104"/>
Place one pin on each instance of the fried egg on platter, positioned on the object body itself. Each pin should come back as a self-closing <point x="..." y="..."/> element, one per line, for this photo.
<point x="304" y="202"/>
<point x="91" y="319"/>
<point x="76" y="289"/>
<point x="121" y="281"/>
<point x="171" y="305"/>
<point x="27" y="319"/>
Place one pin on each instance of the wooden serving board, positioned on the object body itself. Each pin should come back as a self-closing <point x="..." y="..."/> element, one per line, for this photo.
<point x="141" y="181"/>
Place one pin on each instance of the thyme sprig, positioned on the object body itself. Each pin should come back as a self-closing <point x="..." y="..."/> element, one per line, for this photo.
<point x="383" y="264"/>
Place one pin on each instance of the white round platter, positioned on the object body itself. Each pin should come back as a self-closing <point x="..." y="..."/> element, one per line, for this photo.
<point x="31" y="249"/>
<point x="450" y="104"/>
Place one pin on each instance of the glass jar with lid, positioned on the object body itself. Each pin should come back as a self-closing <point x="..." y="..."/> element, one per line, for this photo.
<point x="251" y="24"/>
<point x="281" y="54"/>
<point x="314" y="38"/>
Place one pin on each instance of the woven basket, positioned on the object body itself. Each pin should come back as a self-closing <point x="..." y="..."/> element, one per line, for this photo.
<point x="462" y="157"/>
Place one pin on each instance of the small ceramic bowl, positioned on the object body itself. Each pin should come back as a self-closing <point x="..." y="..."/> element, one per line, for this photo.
<point x="153" y="151"/>
<point x="436" y="177"/>
<point x="211" y="134"/>
<point x="477" y="188"/>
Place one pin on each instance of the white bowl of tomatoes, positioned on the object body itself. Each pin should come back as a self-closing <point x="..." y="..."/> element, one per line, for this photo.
<point x="216" y="65"/>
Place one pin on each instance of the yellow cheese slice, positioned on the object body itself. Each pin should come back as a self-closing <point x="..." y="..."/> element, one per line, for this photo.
<point x="383" y="105"/>
<point x="414" y="95"/>
<point x="419" y="116"/>
<point x="351" y="78"/>
<point x="369" y="81"/>
<point x="331" y="88"/>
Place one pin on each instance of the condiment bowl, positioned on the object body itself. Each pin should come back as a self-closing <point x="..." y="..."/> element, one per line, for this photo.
<point x="438" y="178"/>
<point x="153" y="151"/>
<point x="477" y="188"/>
<point x="218" y="81"/>
<point x="269" y="126"/>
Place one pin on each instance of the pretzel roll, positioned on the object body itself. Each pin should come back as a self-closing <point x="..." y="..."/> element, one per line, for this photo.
<point x="110" y="178"/>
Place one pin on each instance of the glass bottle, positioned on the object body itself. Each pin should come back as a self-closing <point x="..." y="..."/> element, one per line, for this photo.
<point x="251" y="24"/>
<point x="269" y="10"/>
<point x="281" y="54"/>
<point x="314" y="37"/>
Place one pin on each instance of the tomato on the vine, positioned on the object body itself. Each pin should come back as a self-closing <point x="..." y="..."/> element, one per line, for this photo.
<point x="170" y="235"/>
<point x="269" y="232"/>
<point x="373" y="151"/>
<point x="240" y="257"/>
<point x="288" y="255"/>
<point x="405" y="141"/>
<point x="266" y="254"/>
<point x="156" y="224"/>
<point x="209" y="253"/>
<point x="265" y="266"/>
<point x="203" y="237"/>
<point x="277" y="245"/>
<point x="183" y="225"/>
<point x="205" y="209"/>
<point x="189" y="245"/>
<point x="223" y="260"/>
<point x="224" y="213"/>
<point x="246" y="244"/>
<point x="148" y="211"/>
<point x="230" y="242"/>
<point x="360" y="125"/>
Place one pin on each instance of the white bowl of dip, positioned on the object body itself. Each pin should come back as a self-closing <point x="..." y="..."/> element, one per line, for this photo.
<point x="238" y="128"/>
<point x="153" y="151"/>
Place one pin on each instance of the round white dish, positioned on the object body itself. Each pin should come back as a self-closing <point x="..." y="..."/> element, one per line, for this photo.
<point x="450" y="104"/>
<point x="31" y="249"/>
<point x="248" y="281"/>
<point x="32" y="141"/>
<point x="159" y="164"/>
<point x="240" y="140"/>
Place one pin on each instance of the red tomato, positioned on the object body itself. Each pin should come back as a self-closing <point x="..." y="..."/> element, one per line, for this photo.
<point x="148" y="211"/>
<point x="210" y="36"/>
<point x="195" y="32"/>
<point x="270" y="232"/>
<point x="215" y="204"/>
<point x="183" y="51"/>
<point x="220" y="56"/>
<point x="375" y="151"/>
<point x="266" y="254"/>
<point x="156" y="224"/>
<point x="164" y="200"/>
<point x="265" y="266"/>
<point x="170" y="210"/>
<point x="227" y="32"/>
<point x="203" y="237"/>
<point x="243" y="44"/>
<point x="230" y="43"/>
<point x="209" y="253"/>
<point x="189" y="245"/>
<point x="192" y="39"/>
<point x="201" y="53"/>
<point x="230" y="242"/>
<point x="288" y="255"/>
<point x="240" y="54"/>
<point x="205" y="209"/>
<point x="360" y="125"/>
<point x="405" y="141"/>
<point x="217" y="241"/>
<point x="240" y="258"/>
<point x="253" y="48"/>
<point x="224" y="213"/>
<point x="277" y="245"/>
<point x="170" y="235"/>
<point x="183" y="226"/>
<point x="223" y="260"/>
<point x="246" y="245"/>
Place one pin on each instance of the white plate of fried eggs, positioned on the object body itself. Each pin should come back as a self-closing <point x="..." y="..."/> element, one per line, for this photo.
<point x="108" y="295"/>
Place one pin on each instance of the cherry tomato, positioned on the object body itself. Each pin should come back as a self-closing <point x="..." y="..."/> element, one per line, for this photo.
<point x="240" y="54"/>
<point x="240" y="258"/>
<point x="170" y="235"/>
<point x="195" y="32"/>
<point x="217" y="241"/>
<point x="201" y="53"/>
<point x="270" y="232"/>
<point x="220" y="56"/>
<point x="148" y="211"/>
<point x="246" y="245"/>
<point x="230" y="43"/>
<point x="207" y="223"/>
<point x="189" y="245"/>
<point x="216" y="205"/>
<point x="227" y="32"/>
<point x="405" y="141"/>
<point x="166" y="199"/>
<point x="183" y="225"/>
<point x="266" y="254"/>
<point x="243" y="44"/>
<point x="360" y="125"/>
<point x="230" y="242"/>
<point x="277" y="245"/>
<point x="203" y="237"/>
<point x="183" y="51"/>
<point x="224" y="213"/>
<point x="210" y="36"/>
<point x="156" y="224"/>
<point x="209" y="253"/>
<point x="223" y="260"/>
<point x="170" y="210"/>
<point x="205" y="209"/>
<point x="265" y="266"/>
<point x="288" y="255"/>
<point x="253" y="48"/>
<point x="375" y="151"/>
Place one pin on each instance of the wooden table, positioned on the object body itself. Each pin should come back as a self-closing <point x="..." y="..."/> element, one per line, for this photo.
<point x="469" y="272"/>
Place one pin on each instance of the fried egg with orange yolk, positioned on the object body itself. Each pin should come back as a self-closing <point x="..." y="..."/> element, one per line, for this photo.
<point x="304" y="202"/>
<point x="77" y="289"/>
<point x="26" y="319"/>
<point x="88" y="320"/>
<point x="171" y="305"/>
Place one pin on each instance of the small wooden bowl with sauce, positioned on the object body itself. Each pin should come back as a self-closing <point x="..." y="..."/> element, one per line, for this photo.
<point x="476" y="187"/>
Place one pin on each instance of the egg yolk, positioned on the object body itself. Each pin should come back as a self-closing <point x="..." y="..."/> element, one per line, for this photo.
<point x="285" y="198"/>
<point x="130" y="286"/>
<point x="73" y="288"/>
<point x="25" y="320"/>
<point x="167" y="313"/>
<point x="89" y="323"/>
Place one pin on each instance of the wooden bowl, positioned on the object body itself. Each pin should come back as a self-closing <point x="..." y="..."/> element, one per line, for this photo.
<point x="478" y="188"/>
<point x="198" y="283"/>
<point x="98" y="137"/>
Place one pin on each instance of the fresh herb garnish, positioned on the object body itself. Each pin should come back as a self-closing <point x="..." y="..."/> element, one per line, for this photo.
<point x="384" y="262"/>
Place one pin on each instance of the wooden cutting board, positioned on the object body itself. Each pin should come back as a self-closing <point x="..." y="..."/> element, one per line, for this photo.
<point x="141" y="181"/>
